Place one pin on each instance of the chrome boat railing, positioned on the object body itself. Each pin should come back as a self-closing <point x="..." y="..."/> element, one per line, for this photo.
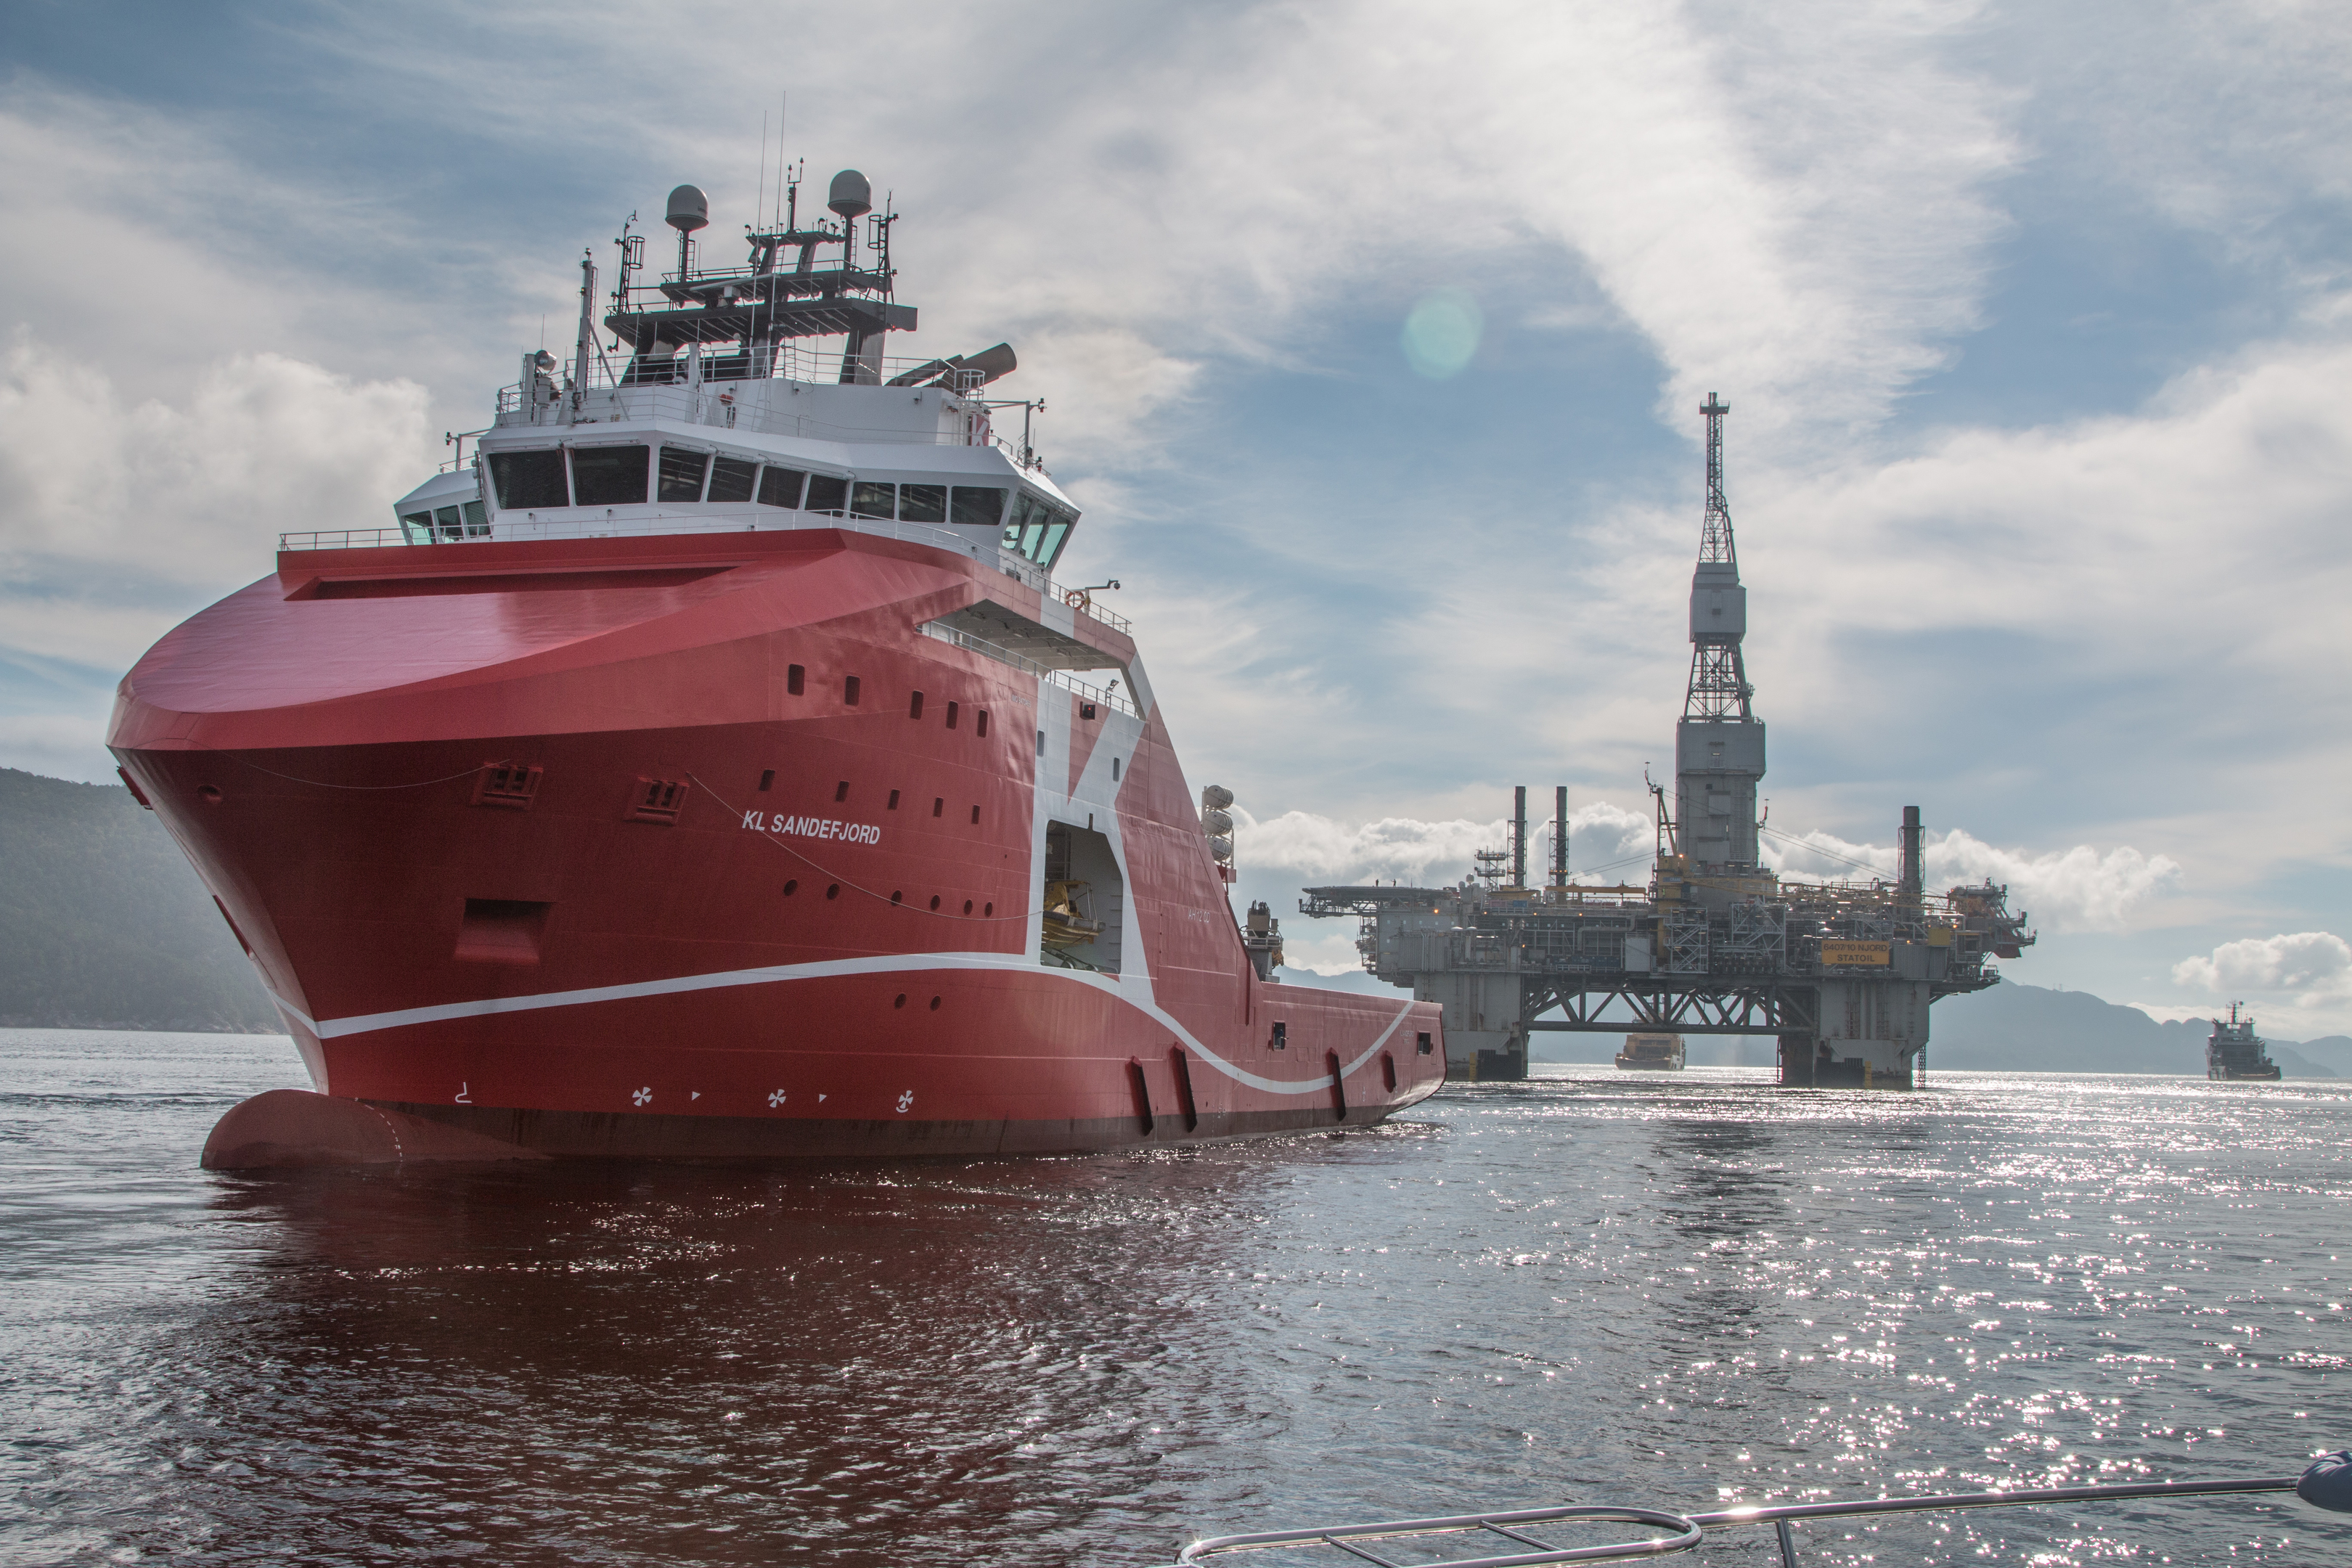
<point x="1684" y="1530"/>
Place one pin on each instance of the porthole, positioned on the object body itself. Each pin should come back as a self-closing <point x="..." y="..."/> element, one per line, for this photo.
<point x="975" y="816"/>
<point x="834" y="891"/>
<point x="990" y="910"/>
<point x="894" y="801"/>
<point x="967" y="906"/>
<point x="841" y="790"/>
<point x="895" y="896"/>
<point x="767" y="778"/>
<point x="900" y="1001"/>
<point x="938" y="805"/>
<point x="792" y="887"/>
<point x="935" y="902"/>
<point x="211" y="795"/>
<point x="935" y="1004"/>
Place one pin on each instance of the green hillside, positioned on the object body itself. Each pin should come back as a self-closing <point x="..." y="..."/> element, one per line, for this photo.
<point x="104" y="925"/>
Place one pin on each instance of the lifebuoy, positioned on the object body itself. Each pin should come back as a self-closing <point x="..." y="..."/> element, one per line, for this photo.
<point x="1078" y="598"/>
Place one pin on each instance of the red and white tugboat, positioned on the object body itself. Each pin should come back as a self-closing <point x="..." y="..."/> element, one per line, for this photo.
<point x="713" y="768"/>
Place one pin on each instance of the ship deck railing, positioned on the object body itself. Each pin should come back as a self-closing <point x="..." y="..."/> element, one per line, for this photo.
<point x="1508" y="1539"/>
<point x="1085" y="690"/>
<point x="766" y="520"/>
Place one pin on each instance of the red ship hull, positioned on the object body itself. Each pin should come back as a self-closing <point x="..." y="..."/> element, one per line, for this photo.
<point x="648" y="847"/>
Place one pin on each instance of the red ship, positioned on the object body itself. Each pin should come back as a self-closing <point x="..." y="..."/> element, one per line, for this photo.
<point x="712" y="768"/>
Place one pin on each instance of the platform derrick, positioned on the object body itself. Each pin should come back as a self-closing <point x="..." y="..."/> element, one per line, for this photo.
<point x="1717" y="942"/>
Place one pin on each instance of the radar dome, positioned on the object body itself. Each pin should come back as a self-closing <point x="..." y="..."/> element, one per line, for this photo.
<point x="689" y="209"/>
<point x="852" y="194"/>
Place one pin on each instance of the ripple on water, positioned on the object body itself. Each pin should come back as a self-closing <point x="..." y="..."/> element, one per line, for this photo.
<point x="1677" y="1291"/>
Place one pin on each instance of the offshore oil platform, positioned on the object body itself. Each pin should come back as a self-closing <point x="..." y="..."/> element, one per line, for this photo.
<point x="1842" y="973"/>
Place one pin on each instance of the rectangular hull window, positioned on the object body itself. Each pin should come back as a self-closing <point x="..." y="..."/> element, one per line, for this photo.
<point x="610" y="476"/>
<point x="681" y="474"/>
<point x="827" y="493"/>
<point x="730" y="480"/>
<point x="526" y="481"/>
<point x="781" y="486"/>
<point x="870" y="499"/>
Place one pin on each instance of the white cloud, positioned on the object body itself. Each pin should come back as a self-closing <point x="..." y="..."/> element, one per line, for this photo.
<point x="118" y="516"/>
<point x="2076" y="889"/>
<point x="2306" y="970"/>
<point x="1321" y="849"/>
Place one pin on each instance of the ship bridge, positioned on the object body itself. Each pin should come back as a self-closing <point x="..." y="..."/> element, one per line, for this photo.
<point x="754" y="396"/>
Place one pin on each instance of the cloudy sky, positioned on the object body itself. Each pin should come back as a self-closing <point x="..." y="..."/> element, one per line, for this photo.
<point x="1372" y="337"/>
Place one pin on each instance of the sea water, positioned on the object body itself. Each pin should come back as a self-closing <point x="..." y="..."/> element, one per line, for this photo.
<point x="1684" y="1290"/>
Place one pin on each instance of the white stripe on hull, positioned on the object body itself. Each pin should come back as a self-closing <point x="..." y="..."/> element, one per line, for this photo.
<point x="884" y="964"/>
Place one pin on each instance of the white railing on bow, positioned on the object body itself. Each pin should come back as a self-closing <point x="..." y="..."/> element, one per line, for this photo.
<point x="766" y="520"/>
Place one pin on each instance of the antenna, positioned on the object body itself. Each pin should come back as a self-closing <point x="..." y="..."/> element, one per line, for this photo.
<point x="760" y="203"/>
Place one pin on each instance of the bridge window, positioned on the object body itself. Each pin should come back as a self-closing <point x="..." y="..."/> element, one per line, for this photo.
<point x="1037" y="529"/>
<point x="871" y="500"/>
<point x="781" y="486"/>
<point x="730" y="480"/>
<point x="682" y="472"/>
<point x="922" y="503"/>
<point x="529" y="480"/>
<point x="609" y="476"/>
<point x="827" y="493"/>
<point x="976" y="506"/>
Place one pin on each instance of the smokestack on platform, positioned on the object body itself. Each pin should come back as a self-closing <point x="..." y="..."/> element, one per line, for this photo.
<point x="1913" y="880"/>
<point x="1560" y="836"/>
<point x="1519" y="837"/>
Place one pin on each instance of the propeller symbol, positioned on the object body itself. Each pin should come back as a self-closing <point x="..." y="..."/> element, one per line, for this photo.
<point x="775" y="1100"/>
<point x="643" y="1095"/>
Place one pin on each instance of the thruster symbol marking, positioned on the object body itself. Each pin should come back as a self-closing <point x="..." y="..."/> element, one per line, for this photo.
<point x="775" y="1100"/>
<point x="643" y="1095"/>
<point x="905" y="1101"/>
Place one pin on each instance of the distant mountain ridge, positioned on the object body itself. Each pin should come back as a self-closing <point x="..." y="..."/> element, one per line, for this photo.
<point x="102" y="923"/>
<point x="2028" y="1028"/>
